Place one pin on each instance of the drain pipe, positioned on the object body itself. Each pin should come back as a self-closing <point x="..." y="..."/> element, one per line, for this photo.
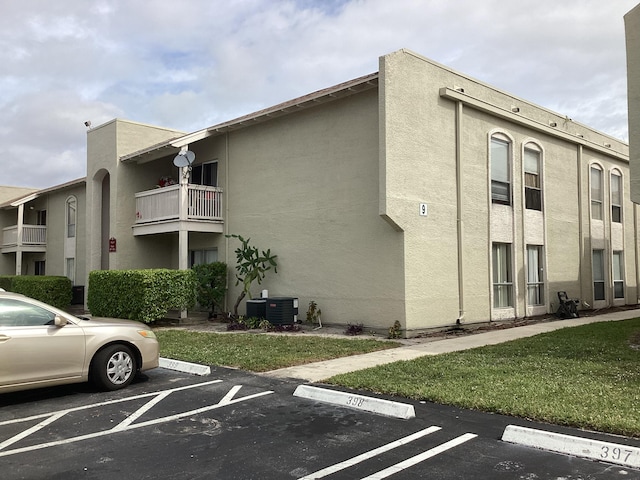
<point x="460" y="225"/>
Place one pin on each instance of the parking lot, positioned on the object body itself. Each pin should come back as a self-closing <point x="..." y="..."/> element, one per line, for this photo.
<point x="234" y="425"/>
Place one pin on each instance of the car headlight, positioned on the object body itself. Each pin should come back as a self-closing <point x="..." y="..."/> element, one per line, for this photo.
<point x="147" y="333"/>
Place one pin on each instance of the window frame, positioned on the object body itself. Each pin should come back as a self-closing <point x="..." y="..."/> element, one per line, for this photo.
<point x="532" y="193"/>
<point x="617" y="274"/>
<point x="599" y="284"/>
<point x="198" y="172"/>
<point x="597" y="201"/>
<point x="71" y="219"/>
<point x="535" y="278"/>
<point x="616" y="203"/>
<point x="498" y="196"/>
<point x="502" y="275"/>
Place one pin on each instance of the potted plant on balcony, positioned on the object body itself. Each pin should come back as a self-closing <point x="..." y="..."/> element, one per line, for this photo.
<point x="166" y="181"/>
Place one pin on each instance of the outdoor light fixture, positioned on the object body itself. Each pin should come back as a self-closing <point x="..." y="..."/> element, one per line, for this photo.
<point x="87" y="123"/>
<point x="608" y="145"/>
<point x="579" y="135"/>
<point x="553" y="124"/>
<point x="515" y="109"/>
<point x="458" y="89"/>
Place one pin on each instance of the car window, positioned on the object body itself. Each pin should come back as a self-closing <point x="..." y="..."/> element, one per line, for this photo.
<point x="16" y="313"/>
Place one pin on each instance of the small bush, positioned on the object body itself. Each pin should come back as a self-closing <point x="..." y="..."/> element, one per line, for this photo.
<point x="211" y="280"/>
<point x="395" y="331"/>
<point x="53" y="290"/>
<point x="354" y="329"/>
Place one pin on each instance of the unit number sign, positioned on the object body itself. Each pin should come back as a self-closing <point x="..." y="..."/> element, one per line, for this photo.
<point x="423" y="210"/>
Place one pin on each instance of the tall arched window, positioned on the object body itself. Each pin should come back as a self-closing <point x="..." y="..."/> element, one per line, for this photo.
<point x="71" y="216"/>
<point x="616" y="196"/>
<point x="500" y="169"/>
<point x="597" y="194"/>
<point x="532" y="177"/>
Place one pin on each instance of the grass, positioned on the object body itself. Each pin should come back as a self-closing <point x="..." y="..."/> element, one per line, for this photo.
<point x="259" y="352"/>
<point x="587" y="376"/>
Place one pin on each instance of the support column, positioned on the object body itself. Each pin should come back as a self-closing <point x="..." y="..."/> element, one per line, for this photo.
<point x="183" y="233"/>
<point x="20" y="229"/>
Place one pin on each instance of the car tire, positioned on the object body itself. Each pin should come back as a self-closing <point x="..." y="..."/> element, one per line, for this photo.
<point x="114" y="367"/>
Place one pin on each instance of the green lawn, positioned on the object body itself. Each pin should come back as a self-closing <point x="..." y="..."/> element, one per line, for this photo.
<point x="259" y="352"/>
<point x="586" y="376"/>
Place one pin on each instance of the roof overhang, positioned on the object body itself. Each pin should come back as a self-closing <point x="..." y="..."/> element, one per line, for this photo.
<point x="173" y="146"/>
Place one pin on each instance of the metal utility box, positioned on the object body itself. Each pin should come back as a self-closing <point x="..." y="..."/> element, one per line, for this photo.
<point x="282" y="310"/>
<point x="257" y="308"/>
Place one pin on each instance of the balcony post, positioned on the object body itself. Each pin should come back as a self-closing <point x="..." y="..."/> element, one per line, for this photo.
<point x="20" y="228"/>
<point x="183" y="233"/>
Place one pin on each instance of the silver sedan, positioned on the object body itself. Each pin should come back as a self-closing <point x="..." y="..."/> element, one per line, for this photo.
<point x="41" y="345"/>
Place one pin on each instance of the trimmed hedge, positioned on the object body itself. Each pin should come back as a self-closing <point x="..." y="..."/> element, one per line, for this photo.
<point x="5" y="282"/>
<point x="143" y="295"/>
<point x="53" y="290"/>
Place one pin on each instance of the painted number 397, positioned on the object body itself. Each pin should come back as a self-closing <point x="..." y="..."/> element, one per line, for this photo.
<point x="615" y="453"/>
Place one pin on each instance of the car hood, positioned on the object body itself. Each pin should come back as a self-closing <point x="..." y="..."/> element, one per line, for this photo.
<point x="108" y="322"/>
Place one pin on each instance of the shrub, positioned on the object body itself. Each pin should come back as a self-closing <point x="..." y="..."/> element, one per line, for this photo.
<point x="53" y="290"/>
<point x="143" y="295"/>
<point x="5" y="282"/>
<point x="211" y="285"/>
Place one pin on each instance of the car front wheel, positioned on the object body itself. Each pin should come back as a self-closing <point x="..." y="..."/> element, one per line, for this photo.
<point x="114" y="367"/>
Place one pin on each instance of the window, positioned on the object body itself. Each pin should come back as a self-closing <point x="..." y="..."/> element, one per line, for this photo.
<point x="205" y="174"/>
<point x="500" y="171"/>
<point x="616" y="197"/>
<point x="70" y="267"/>
<point x="41" y="217"/>
<point x="39" y="267"/>
<point x="14" y="313"/>
<point x="598" y="275"/>
<point x="596" y="193"/>
<point x="535" y="275"/>
<point x="71" y="217"/>
<point x="532" y="184"/>
<point x="618" y="275"/>
<point x="502" y="275"/>
<point x="200" y="257"/>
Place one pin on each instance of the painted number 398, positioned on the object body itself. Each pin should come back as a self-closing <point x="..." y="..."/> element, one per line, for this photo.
<point x="615" y="453"/>
<point x="355" y="401"/>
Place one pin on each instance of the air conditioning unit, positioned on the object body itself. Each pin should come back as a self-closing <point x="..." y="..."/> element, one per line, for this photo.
<point x="257" y="308"/>
<point x="282" y="310"/>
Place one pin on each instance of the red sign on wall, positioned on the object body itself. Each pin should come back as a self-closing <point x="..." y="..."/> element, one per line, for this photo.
<point x="112" y="245"/>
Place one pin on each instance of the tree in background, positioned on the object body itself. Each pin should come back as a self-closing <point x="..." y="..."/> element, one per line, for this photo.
<point x="251" y="265"/>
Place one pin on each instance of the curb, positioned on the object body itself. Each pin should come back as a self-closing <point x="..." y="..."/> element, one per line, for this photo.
<point x="577" y="446"/>
<point x="184" y="367"/>
<point x="359" y="402"/>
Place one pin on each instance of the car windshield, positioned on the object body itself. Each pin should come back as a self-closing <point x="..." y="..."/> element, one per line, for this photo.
<point x="17" y="313"/>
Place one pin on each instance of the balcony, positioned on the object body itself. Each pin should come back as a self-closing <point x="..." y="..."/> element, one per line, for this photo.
<point x="195" y="208"/>
<point x="34" y="239"/>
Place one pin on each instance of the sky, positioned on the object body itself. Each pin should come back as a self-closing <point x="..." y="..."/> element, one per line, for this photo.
<point x="190" y="64"/>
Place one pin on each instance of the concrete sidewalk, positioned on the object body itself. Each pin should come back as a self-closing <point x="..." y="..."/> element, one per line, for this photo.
<point x="315" y="372"/>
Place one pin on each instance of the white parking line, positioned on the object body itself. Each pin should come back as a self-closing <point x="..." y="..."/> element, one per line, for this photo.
<point x="370" y="454"/>
<point x="127" y="424"/>
<point x="393" y="469"/>
<point x="108" y="402"/>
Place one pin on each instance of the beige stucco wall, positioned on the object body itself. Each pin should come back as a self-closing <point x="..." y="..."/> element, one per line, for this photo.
<point x="632" y="30"/>
<point x="105" y="145"/>
<point x="418" y="165"/>
<point x="306" y="186"/>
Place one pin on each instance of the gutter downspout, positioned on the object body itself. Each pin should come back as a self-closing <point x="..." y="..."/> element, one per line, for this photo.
<point x="460" y="224"/>
<point x="226" y="214"/>
<point x="581" y="225"/>
<point x="637" y="258"/>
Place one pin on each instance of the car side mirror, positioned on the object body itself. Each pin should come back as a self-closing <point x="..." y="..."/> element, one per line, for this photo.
<point x="59" y="321"/>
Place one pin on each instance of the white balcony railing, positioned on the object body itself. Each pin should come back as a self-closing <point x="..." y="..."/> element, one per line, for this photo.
<point x="31" y="235"/>
<point x="161" y="204"/>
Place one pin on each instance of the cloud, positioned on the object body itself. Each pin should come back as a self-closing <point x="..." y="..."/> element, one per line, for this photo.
<point x="190" y="64"/>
